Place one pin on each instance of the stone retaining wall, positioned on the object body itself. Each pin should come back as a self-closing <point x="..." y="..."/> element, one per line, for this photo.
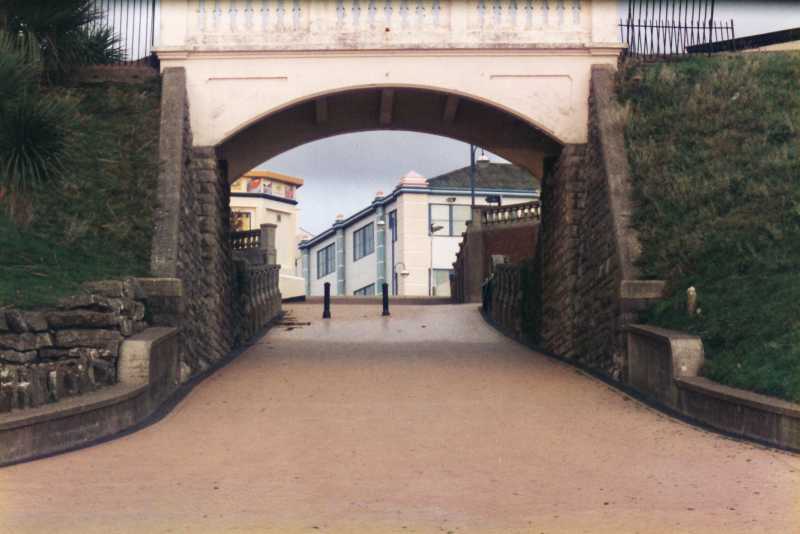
<point x="663" y="367"/>
<point x="148" y="377"/>
<point x="559" y="251"/>
<point x="590" y="286"/>
<point x="73" y="349"/>
<point x="514" y="240"/>
<point x="191" y="239"/>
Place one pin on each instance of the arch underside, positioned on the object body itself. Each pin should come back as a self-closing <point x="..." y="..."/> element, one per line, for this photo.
<point x="390" y="108"/>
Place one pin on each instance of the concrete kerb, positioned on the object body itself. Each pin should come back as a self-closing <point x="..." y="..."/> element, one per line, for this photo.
<point x="157" y="413"/>
<point x="640" y="396"/>
<point x="376" y="301"/>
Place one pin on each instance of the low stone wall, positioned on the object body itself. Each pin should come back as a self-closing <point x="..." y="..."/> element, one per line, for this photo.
<point x="148" y="371"/>
<point x="48" y="355"/>
<point x="663" y="367"/>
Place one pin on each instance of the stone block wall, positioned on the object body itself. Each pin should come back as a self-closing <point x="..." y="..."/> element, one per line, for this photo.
<point x="515" y="240"/>
<point x="223" y="301"/>
<point x="217" y="275"/>
<point x="590" y="282"/>
<point x="561" y="206"/>
<point x="72" y="349"/>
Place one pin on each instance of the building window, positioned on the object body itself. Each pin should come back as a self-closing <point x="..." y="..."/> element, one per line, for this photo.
<point x="366" y="291"/>
<point x="440" y="282"/>
<point x="363" y="241"/>
<point x="326" y="260"/>
<point x="241" y="220"/>
<point x="290" y="191"/>
<point x="393" y="225"/>
<point x="448" y="219"/>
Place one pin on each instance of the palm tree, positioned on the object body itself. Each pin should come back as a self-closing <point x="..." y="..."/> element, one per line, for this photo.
<point x="67" y="31"/>
<point x="35" y="127"/>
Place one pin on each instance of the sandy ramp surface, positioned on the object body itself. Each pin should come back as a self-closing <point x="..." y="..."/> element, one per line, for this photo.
<point x="426" y="421"/>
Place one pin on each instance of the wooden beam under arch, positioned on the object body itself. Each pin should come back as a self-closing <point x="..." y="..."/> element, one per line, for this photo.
<point x="387" y="103"/>
<point x="321" y="110"/>
<point x="450" y="109"/>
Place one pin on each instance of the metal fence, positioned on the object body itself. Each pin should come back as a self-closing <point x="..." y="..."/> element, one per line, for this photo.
<point x="671" y="27"/>
<point x="134" y="23"/>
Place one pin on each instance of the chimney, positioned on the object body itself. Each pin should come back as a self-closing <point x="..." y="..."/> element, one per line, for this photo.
<point x="413" y="179"/>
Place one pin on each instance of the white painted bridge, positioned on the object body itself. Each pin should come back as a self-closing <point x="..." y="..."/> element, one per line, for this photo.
<point x="266" y="76"/>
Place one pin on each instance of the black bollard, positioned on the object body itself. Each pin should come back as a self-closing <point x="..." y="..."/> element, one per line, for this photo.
<point x="326" y="310"/>
<point x="385" y="299"/>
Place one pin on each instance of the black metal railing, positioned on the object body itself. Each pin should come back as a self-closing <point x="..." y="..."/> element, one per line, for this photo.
<point x="135" y="24"/>
<point x="671" y="27"/>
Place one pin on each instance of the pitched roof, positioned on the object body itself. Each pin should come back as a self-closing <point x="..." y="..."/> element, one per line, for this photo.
<point x="487" y="176"/>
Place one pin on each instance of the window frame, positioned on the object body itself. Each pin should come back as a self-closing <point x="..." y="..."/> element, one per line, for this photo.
<point x="357" y="235"/>
<point x="362" y="292"/>
<point x="328" y="262"/>
<point x="449" y="219"/>
<point x="393" y="225"/>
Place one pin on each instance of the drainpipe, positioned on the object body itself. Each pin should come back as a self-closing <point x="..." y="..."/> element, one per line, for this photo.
<point x="307" y="270"/>
<point x="341" y="286"/>
<point x="381" y="248"/>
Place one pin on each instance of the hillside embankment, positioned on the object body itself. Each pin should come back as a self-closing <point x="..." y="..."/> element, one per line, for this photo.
<point x="714" y="149"/>
<point x="95" y="221"/>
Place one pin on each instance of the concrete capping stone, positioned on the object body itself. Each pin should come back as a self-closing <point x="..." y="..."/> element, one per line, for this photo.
<point x="145" y="288"/>
<point x="739" y="396"/>
<point x="172" y="158"/>
<point x="376" y="301"/>
<point x="135" y="364"/>
<point x="643" y="289"/>
<point x="607" y="114"/>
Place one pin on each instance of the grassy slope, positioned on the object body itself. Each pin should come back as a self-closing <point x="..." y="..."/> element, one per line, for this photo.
<point x="714" y="147"/>
<point x="96" y="222"/>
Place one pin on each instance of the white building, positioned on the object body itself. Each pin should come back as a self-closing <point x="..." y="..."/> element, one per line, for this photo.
<point x="408" y="238"/>
<point x="261" y="197"/>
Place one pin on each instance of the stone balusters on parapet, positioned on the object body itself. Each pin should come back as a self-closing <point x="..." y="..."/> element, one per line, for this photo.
<point x="259" y="297"/>
<point x="530" y="211"/>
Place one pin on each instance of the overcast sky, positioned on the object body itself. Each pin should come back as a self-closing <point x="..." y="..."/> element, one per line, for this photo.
<point x="343" y="173"/>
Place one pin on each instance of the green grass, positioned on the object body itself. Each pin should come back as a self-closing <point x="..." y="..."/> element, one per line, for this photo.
<point x="96" y="221"/>
<point x="714" y="148"/>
